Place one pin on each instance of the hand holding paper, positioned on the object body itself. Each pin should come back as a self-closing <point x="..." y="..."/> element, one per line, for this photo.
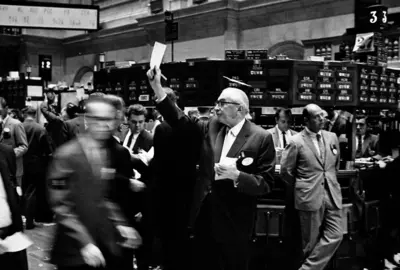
<point x="14" y="243"/>
<point x="157" y="55"/>
<point x="226" y="169"/>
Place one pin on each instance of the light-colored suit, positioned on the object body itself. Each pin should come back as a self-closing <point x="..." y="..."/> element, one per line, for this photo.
<point x="275" y="135"/>
<point x="16" y="137"/>
<point x="317" y="195"/>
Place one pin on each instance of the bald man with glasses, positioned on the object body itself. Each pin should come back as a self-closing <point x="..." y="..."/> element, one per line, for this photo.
<point x="236" y="165"/>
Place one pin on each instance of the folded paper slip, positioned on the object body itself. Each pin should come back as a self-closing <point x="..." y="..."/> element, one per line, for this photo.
<point x="16" y="242"/>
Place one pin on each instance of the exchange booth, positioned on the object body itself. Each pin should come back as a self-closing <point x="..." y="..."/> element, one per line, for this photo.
<point x="341" y="88"/>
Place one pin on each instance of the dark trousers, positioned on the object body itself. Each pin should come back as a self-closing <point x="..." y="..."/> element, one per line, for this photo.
<point x="80" y="267"/>
<point x="29" y="196"/>
<point x="210" y="255"/>
<point x="15" y="260"/>
<point x="43" y="210"/>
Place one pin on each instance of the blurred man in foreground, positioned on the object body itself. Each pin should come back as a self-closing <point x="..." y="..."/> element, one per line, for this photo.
<point x="90" y="193"/>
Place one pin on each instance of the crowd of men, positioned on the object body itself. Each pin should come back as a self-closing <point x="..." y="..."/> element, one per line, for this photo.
<point x="190" y="181"/>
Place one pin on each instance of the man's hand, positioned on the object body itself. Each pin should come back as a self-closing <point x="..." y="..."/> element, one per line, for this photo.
<point x="19" y="191"/>
<point x="154" y="76"/>
<point x="131" y="236"/>
<point x="227" y="171"/>
<point x="137" y="185"/>
<point x="93" y="256"/>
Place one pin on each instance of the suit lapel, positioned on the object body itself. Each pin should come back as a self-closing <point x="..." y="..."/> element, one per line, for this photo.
<point x="365" y="144"/>
<point x="2" y="130"/>
<point x="219" y="142"/>
<point x="275" y="136"/>
<point x="308" y="141"/>
<point x="240" y="140"/>
<point x="139" y="143"/>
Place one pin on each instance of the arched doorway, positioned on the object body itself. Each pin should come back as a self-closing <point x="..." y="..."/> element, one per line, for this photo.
<point x="291" y="49"/>
<point x="84" y="76"/>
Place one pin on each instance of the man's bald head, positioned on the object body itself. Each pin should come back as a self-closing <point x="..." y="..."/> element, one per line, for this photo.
<point x="232" y="106"/>
<point x="313" y="117"/>
<point x="236" y="95"/>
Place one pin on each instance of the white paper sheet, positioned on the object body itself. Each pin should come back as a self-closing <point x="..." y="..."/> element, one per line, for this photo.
<point x="227" y="161"/>
<point x="157" y="55"/>
<point x="16" y="242"/>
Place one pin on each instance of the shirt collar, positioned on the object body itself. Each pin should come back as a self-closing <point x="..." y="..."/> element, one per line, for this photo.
<point x="6" y="119"/>
<point x="280" y="131"/>
<point x="313" y="134"/>
<point x="236" y="129"/>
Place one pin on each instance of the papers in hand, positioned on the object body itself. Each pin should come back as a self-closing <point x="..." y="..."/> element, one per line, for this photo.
<point x="227" y="161"/>
<point x="16" y="242"/>
<point x="157" y="55"/>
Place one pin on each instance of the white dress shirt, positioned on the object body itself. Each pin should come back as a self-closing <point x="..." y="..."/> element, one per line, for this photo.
<point x="135" y="136"/>
<point x="280" y="135"/>
<point x="314" y="139"/>
<point x="362" y="140"/>
<point x="5" y="211"/>
<point x="230" y="138"/>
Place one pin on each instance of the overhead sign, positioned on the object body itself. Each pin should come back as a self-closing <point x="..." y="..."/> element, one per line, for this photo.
<point x="45" y="15"/>
<point x="45" y="67"/>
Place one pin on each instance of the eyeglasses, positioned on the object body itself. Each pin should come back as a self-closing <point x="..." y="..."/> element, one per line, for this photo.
<point x="221" y="103"/>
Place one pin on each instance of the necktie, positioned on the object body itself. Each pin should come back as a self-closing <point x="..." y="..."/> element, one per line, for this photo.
<point x="359" y="146"/>
<point x="284" y="139"/>
<point x="129" y="141"/>
<point x="321" y="147"/>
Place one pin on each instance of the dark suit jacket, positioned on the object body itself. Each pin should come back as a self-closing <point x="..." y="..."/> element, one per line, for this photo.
<point x="54" y="122"/>
<point x="17" y="139"/>
<point x="39" y="148"/>
<point x="370" y="143"/>
<point x="8" y="170"/>
<point x="305" y="172"/>
<point x="275" y="135"/>
<point x="232" y="209"/>
<point x="144" y="141"/>
<point x="71" y="128"/>
<point x="76" y="196"/>
<point x="176" y="154"/>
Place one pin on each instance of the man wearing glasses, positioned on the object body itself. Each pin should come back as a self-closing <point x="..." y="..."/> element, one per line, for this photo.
<point x="236" y="165"/>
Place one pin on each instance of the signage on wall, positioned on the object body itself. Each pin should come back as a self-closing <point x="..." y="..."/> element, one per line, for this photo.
<point x="45" y="67"/>
<point x="45" y="15"/>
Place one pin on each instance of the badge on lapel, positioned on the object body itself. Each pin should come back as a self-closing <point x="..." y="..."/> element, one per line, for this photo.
<point x="334" y="150"/>
<point x="245" y="161"/>
<point x="6" y="133"/>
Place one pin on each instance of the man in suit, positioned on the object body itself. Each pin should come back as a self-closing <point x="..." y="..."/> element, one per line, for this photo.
<point x="341" y="123"/>
<point x="13" y="134"/>
<point x="72" y="127"/>
<point x="140" y="144"/>
<point x="89" y="192"/>
<point x="236" y="165"/>
<point x="51" y="113"/>
<point x="309" y="165"/>
<point x="204" y="113"/>
<point x="366" y="143"/>
<point x="10" y="213"/>
<point x="172" y="191"/>
<point x="35" y="164"/>
<point x="138" y="140"/>
<point x="281" y="133"/>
